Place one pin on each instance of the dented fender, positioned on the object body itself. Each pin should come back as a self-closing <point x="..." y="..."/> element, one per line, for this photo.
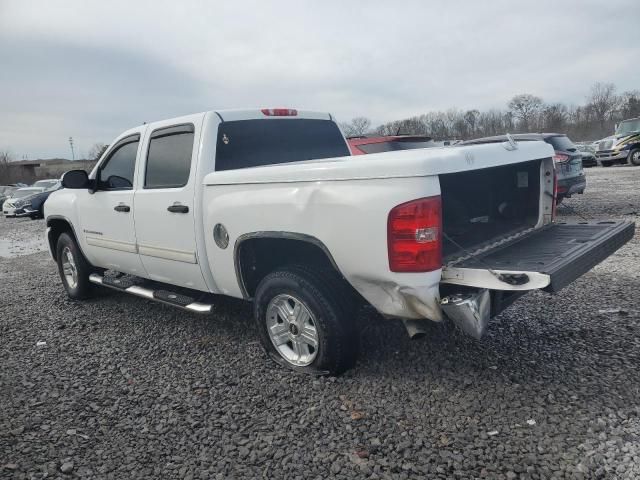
<point x="401" y="300"/>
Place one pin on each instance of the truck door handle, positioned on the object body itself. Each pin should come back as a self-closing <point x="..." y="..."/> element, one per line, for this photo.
<point x="122" y="208"/>
<point x="178" y="209"/>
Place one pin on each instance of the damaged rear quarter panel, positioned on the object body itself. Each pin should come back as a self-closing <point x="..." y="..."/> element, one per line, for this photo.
<point x="348" y="217"/>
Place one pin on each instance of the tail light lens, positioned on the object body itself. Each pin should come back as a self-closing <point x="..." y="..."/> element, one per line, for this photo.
<point x="279" y="112"/>
<point x="414" y="236"/>
<point x="560" y="158"/>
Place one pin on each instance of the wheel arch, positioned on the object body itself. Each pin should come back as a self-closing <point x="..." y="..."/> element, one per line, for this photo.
<point x="283" y="248"/>
<point x="56" y="226"/>
<point x="635" y="146"/>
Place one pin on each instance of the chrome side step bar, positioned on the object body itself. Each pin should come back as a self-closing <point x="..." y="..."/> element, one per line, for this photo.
<point x="149" y="294"/>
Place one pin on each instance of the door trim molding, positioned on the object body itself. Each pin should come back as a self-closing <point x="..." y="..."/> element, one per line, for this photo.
<point x="184" y="256"/>
<point x="95" y="241"/>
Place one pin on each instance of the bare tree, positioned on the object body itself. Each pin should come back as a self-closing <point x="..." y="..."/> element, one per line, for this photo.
<point x="603" y="102"/>
<point x="357" y="127"/>
<point x="525" y="108"/>
<point x="630" y="104"/>
<point x="6" y="175"/>
<point x="97" y="150"/>
<point x="471" y="119"/>
<point x="526" y="112"/>
<point x="554" y="117"/>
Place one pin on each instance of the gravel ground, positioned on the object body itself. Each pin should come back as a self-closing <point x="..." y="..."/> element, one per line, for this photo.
<point x="21" y="236"/>
<point x="125" y="388"/>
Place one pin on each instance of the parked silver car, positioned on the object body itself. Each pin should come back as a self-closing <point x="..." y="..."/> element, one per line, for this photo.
<point x="17" y="198"/>
<point x="5" y="193"/>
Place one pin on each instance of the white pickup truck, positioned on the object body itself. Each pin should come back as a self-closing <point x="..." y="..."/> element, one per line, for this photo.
<point x="268" y="205"/>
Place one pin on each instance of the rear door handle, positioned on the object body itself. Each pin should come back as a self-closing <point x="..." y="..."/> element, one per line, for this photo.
<point x="178" y="209"/>
<point x="122" y="208"/>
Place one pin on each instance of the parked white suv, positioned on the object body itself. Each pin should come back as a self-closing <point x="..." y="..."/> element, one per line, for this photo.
<point x="267" y="205"/>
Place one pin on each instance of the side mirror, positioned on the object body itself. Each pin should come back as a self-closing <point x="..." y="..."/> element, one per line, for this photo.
<point x="76" y="179"/>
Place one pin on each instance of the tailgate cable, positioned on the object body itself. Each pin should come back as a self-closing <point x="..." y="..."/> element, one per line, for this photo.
<point x="509" y="278"/>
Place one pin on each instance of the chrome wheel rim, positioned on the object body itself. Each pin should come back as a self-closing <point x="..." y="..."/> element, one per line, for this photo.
<point x="635" y="158"/>
<point x="292" y="329"/>
<point x="69" y="269"/>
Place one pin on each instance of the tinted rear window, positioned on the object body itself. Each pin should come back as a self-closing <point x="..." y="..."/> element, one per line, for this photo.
<point x="392" y="146"/>
<point x="252" y="143"/>
<point x="561" y="143"/>
<point x="169" y="160"/>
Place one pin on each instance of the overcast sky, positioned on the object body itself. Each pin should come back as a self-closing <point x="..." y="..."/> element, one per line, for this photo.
<point x="90" y="69"/>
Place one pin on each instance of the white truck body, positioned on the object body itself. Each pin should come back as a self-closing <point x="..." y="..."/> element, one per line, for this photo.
<point x="340" y="205"/>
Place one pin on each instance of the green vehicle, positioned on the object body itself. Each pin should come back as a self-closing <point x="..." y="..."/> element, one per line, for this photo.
<point x="622" y="147"/>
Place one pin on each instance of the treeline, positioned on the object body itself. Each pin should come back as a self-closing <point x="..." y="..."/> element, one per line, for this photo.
<point x="595" y="119"/>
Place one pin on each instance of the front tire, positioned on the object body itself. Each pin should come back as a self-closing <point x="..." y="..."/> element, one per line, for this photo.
<point x="634" y="157"/>
<point x="305" y="320"/>
<point x="73" y="268"/>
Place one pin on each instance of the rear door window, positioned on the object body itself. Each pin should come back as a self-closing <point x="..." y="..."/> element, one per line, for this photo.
<point x="253" y="143"/>
<point x="169" y="157"/>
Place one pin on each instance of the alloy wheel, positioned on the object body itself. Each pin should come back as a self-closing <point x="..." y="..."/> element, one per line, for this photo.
<point x="292" y="329"/>
<point x="69" y="268"/>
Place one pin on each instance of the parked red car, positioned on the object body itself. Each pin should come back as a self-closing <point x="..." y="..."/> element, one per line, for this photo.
<point x="364" y="145"/>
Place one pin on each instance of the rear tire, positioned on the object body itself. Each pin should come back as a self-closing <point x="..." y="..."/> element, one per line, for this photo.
<point x="73" y="268"/>
<point x="634" y="157"/>
<point x="306" y="320"/>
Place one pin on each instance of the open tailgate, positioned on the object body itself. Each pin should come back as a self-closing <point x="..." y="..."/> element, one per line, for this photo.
<point x="549" y="258"/>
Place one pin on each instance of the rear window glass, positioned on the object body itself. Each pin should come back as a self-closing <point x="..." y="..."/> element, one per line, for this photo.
<point x="252" y="143"/>
<point x="561" y="143"/>
<point x="393" y="145"/>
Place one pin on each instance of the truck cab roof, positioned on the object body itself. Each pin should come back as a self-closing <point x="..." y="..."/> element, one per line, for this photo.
<point x="229" y="115"/>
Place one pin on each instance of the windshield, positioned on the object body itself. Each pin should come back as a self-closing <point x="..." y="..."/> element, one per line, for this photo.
<point x="25" y="192"/>
<point x="252" y="143"/>
<point x="628" y="126"/>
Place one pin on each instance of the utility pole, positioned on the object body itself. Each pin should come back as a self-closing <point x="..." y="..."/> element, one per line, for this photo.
<point x="73" y="155"/>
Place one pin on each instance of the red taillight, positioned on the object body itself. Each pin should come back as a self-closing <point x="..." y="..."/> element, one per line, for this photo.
<point x="280" y="112"/>
<point x="560" y="157"/>
<point x="414" y="236"/>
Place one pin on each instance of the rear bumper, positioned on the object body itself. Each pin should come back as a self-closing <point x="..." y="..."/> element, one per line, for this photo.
<point x="571" y="185"/>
